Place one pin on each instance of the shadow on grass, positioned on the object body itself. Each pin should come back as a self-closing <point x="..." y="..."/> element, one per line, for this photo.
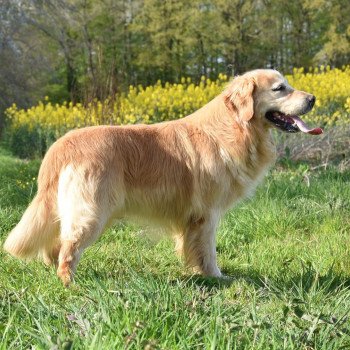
<point x="295" y="288"/>
<point x="307" y="281"/>
<point x="229" y="278"/>
<point x="188" y="281"/>
<point x="310" y="280"/>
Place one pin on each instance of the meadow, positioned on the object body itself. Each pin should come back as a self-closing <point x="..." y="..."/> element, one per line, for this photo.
<point x="285" y="252"/>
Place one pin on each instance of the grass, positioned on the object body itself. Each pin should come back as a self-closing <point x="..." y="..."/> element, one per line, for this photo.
<point x="286" y="252"/>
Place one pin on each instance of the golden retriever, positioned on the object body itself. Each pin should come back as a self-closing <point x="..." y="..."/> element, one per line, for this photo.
<point x="183" y="175"/>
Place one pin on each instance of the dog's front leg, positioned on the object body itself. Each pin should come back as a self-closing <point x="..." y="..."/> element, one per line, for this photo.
<point x="199" y="247"/>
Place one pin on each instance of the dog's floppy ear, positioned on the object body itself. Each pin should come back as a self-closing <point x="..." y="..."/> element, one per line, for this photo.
<point x="238" y="97"/>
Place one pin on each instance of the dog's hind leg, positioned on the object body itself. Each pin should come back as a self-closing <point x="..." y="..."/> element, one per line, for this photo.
<point x="198" y="246"/>
<point x="73" y="243"/>
<point x="84" y="212"/>
<point x="51" y="252"/>
<point x="79" y="229"/>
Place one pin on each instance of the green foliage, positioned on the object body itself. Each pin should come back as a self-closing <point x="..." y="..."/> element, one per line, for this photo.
<point x="286" y="252"/>
<point x="336" y="41"/>
<point x="83" y="50"/>
<point x="28" y="141"/>
<point x="56" y="93"/>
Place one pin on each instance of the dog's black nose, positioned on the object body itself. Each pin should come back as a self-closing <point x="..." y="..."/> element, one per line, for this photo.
<point x="312" y="100"/>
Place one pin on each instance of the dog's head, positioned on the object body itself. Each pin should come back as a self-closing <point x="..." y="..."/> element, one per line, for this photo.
<point x="265" y="96"/>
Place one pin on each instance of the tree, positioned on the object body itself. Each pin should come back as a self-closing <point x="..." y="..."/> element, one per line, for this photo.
<point x="336" y="39"/>
<point x="85" y="49"/>
<point x="25" y="64"/>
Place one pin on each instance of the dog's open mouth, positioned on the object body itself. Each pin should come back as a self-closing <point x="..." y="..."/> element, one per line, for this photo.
<point x="291" y="123"/>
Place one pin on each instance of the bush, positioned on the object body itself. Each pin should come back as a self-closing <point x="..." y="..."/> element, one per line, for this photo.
<point x="27" y="142"/>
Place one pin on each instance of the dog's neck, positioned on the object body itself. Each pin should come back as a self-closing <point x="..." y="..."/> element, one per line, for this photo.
<point x="245" y="142"/>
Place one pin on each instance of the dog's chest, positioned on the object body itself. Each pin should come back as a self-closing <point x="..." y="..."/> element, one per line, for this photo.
<point x="242" y="174"/>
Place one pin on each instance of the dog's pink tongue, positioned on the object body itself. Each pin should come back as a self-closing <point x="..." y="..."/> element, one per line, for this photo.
<point x="304" y="128"/>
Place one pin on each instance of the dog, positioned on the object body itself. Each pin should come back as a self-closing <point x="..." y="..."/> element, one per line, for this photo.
<point x="182" y="175"/>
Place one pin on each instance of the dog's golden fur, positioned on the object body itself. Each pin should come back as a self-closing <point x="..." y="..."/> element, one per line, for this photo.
<point x="182" y="175"/>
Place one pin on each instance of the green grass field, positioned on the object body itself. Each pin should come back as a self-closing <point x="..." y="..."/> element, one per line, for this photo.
<point x="286" y="252"/>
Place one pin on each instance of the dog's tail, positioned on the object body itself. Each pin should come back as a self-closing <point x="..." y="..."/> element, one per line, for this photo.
<point x="34" y="232"/>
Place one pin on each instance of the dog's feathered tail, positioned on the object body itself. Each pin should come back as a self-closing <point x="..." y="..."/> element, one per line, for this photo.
<point x="34" y="232"/>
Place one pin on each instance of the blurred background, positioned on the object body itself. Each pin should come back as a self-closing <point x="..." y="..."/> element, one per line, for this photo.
<point x="128" y="61"/>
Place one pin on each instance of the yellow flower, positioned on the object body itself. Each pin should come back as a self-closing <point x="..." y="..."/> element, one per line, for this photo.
<point x="171" y="101"/>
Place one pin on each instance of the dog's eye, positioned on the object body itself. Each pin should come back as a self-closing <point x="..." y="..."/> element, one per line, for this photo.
<point x="279" y="88"/>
